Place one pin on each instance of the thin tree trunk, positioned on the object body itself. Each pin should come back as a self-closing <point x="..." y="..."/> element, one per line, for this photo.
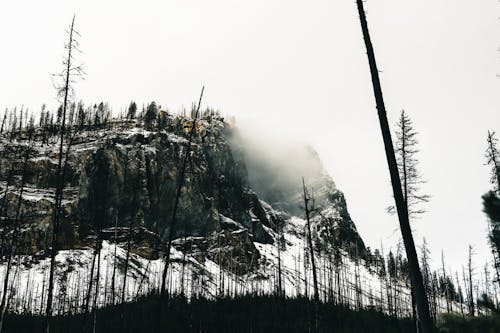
<point x="313" y="263"/>
<point x="91" y="281"/>
<point x="60" y="183"/>
<point x="469" y="276"/>
<point x="96" y="295"/>
<point x="309" y="241"/>
<point x="113" y="279"/>
<point x="127" y="258"/>
<point x="280" y="288"/>
<point x="416" y="276"/>
<point x="13" y="242"/>
<point x="177" y="196"/>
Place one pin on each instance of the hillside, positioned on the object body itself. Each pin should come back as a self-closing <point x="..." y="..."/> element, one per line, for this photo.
<point x="120" y="180"/>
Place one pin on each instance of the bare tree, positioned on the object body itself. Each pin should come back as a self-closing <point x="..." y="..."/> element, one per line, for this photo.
<point x="69" y="72"/>
<point x="470" y="292"/>
<point x="15" y="233"/>
<point x="307" y="199"/>
<point x="3" y="120"/>
<point x="411" y="254"/>
<point x="173" y="221"/>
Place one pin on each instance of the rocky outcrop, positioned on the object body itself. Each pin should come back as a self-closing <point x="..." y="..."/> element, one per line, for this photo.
<point x="125" y="176"/>
<point x="232" y="250"/>
<point x="120" y="182"/>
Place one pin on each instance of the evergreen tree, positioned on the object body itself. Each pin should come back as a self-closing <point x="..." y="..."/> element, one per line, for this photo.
<point x="151" y="115"/>
<point x="406" y="150"/>
<point x="493" y="156"/>
<point x="491" y="201"/>
<point x="132" y="110"/>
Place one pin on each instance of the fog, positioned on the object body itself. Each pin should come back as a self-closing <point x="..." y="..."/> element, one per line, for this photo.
<point x="277" y="164"/>
<point x="295" y="72"/>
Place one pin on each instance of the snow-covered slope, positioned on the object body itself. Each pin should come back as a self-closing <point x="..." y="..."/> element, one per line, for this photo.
<point x="231" y="239"/>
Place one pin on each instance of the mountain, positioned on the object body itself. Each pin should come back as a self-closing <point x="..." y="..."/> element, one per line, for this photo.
<point x="120" y="181"/>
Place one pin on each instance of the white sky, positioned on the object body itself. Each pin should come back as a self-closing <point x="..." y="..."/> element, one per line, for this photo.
<point x="296" y="68"/>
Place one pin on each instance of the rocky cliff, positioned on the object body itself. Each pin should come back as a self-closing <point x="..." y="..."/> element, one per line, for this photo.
<point x="123" y="176"/>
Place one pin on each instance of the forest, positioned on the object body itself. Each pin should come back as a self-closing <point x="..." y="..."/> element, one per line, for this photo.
<point x="146" y="219"/>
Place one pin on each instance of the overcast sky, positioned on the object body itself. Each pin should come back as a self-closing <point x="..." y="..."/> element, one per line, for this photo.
<point x="296" y="69"/>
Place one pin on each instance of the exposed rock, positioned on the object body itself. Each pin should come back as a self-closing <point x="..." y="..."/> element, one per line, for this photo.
<point x="233" y="250"/>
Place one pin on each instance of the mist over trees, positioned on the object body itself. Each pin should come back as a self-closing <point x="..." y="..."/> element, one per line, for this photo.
<point x="229" y="235"/>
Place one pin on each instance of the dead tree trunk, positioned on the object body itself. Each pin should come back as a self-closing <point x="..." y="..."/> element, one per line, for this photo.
<point x="411" y="254"/>
<point x="59" y="174"/>
<point x="3" y="120"/>
<point x="313" y="262"/>
<point x="278" y="245"/>
<point x="171" y="230"/>
<point x="13" y="242"/>
<point x="91" y="281"/>
<point x="113" y="279"/>
<point x="127" y="258"/>
<point x="96" y="295"/>
<point x="470" y="292"/>
<point x="309" y="241"/>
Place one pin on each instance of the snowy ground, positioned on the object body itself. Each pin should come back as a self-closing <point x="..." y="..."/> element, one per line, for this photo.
<point x="28" y="282"/>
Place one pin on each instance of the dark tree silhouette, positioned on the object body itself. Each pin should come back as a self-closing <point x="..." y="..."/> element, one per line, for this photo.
<point x="171" y="230"/>
<point x="411" y="254"/>
<point x="470" y="289"/>
<point x="132" y="110"/>
<point x="491" y="201"/>
<point x="15" y="234"/>
<point x="69" y="71"/>
<point x="307" y="199"/>
<point x="411" y="179"/>
<point x="3" y="120"/>
<point x="151" y="115"/>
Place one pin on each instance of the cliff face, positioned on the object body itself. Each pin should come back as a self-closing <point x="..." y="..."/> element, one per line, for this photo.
<point x="133" y="179"/>
<point x="240" y="222"/>
<point x="277" y="175"/>
<point x="125" y="176"/>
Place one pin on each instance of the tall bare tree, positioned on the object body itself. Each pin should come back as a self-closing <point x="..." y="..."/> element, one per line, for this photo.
<point x="415" y="274"/>
<point x="180" y="184"/>
<point x="307" y="200"/>
<point x="470" y="289"/>
<point x="308" y="209"/>
<point x="69" y="72"/>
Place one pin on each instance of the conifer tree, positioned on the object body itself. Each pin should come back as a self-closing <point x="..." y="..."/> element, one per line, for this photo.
<point x="411" y="179"/>
<point x="151" y="115"/>
<point x="491" y="201"/>
<point x="132" y="110"/>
